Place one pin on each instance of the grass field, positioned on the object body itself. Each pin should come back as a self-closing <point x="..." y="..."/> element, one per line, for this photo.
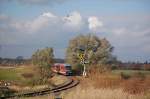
<point x="24" y="76"/>
<point x="9" y="74"/>
<point x="16" y="74"/>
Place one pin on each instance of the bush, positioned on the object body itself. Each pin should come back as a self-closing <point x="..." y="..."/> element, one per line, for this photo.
<point x="114" y="67"/>
<point x="77" y="69"/>
<point x="124" y="76"/>
<point x="27" y="75"/>
<point x="5" y="91"/>
<point x="139" y="75"/>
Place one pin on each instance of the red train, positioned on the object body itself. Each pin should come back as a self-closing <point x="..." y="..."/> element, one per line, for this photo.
<point x="61" y="68"/>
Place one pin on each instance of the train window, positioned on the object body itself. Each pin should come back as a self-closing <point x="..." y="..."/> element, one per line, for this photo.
<point x="68" y="67"/>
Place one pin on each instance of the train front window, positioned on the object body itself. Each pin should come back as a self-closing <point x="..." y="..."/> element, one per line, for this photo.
<point x="68" y="67"/>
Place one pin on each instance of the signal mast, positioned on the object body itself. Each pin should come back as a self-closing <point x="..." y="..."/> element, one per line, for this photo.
<point x="84" y="50"/>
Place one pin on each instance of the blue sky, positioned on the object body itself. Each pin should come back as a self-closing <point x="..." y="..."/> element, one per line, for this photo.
<point x="26" y="25"/>
<point x="95" y="7"/>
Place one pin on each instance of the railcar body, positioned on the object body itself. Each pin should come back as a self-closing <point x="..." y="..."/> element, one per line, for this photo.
<point x="64" y="69"/>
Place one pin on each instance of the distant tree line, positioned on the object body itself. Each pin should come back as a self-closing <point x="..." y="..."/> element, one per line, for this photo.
<point x="132" y="66"/>
<point x="18" y="62"/>
<point x="14" y="62"/>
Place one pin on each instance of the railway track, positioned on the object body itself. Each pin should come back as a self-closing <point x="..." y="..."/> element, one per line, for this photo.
<point x="73" y="81"/>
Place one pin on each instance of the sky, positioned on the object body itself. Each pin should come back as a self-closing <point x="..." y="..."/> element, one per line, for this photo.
<point x="28" y="25"/>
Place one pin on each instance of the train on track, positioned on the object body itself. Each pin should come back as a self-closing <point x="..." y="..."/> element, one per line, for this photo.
<point x="62" y="68"/>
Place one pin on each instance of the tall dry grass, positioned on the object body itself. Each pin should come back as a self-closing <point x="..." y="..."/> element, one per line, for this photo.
<point x="106" y="86"/>
<point x="106" y="93"/>
<point x="102" y="79"/>
<point x="136" y="84"/>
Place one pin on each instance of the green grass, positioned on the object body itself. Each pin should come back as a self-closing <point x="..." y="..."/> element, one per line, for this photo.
<point x="15" y="74"/>
<point x="131" y="72"/>
<point x="9" y="74"/>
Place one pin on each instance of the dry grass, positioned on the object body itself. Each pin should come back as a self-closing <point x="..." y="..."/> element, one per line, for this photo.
<point x="106" y="93"/>
<point x="58" y="80"/>
<point x="136" y="84"/>
<point x="93" y="93"/>
<point x="105" y="86"/>
<point x="103" y="80"/>
<point x="106" y="81"/>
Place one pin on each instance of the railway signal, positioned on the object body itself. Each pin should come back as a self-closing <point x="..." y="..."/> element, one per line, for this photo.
<point x="82" y="57"/>
<point x="84" y="50"/>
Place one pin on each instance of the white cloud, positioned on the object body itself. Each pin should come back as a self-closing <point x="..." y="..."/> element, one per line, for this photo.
<point x="42" y="21"/>
<point x="94" y="23"/>
<point x="45" y="24"/>
<point x="130" y="38"/>
<point x="131" y="43"/>
<point x="39" y="23"/>
<point x="48" y="14"/>
<point x="73" y="20"/>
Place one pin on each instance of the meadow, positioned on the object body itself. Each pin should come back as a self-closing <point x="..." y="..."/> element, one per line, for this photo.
<point x="9" y="74"/>
<point x="21" y="74"/>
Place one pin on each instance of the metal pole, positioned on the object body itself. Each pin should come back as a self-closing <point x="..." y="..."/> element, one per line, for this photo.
<point x="84" y="71"/>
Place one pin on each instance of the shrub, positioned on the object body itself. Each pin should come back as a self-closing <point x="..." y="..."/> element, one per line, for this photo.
<point x="124" y="76"/>
<point x="5" y="91"/>
<point x="77" y="69"/>
<point x="114" y="67"/>
<point x="139" y="75"/>
<point x="27" y="75"/>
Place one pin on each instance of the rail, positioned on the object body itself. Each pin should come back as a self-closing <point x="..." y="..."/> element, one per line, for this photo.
<point x="72" y="83"/>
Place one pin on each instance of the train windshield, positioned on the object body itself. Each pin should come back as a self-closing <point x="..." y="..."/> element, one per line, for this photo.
<point x="68" y="67"/>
